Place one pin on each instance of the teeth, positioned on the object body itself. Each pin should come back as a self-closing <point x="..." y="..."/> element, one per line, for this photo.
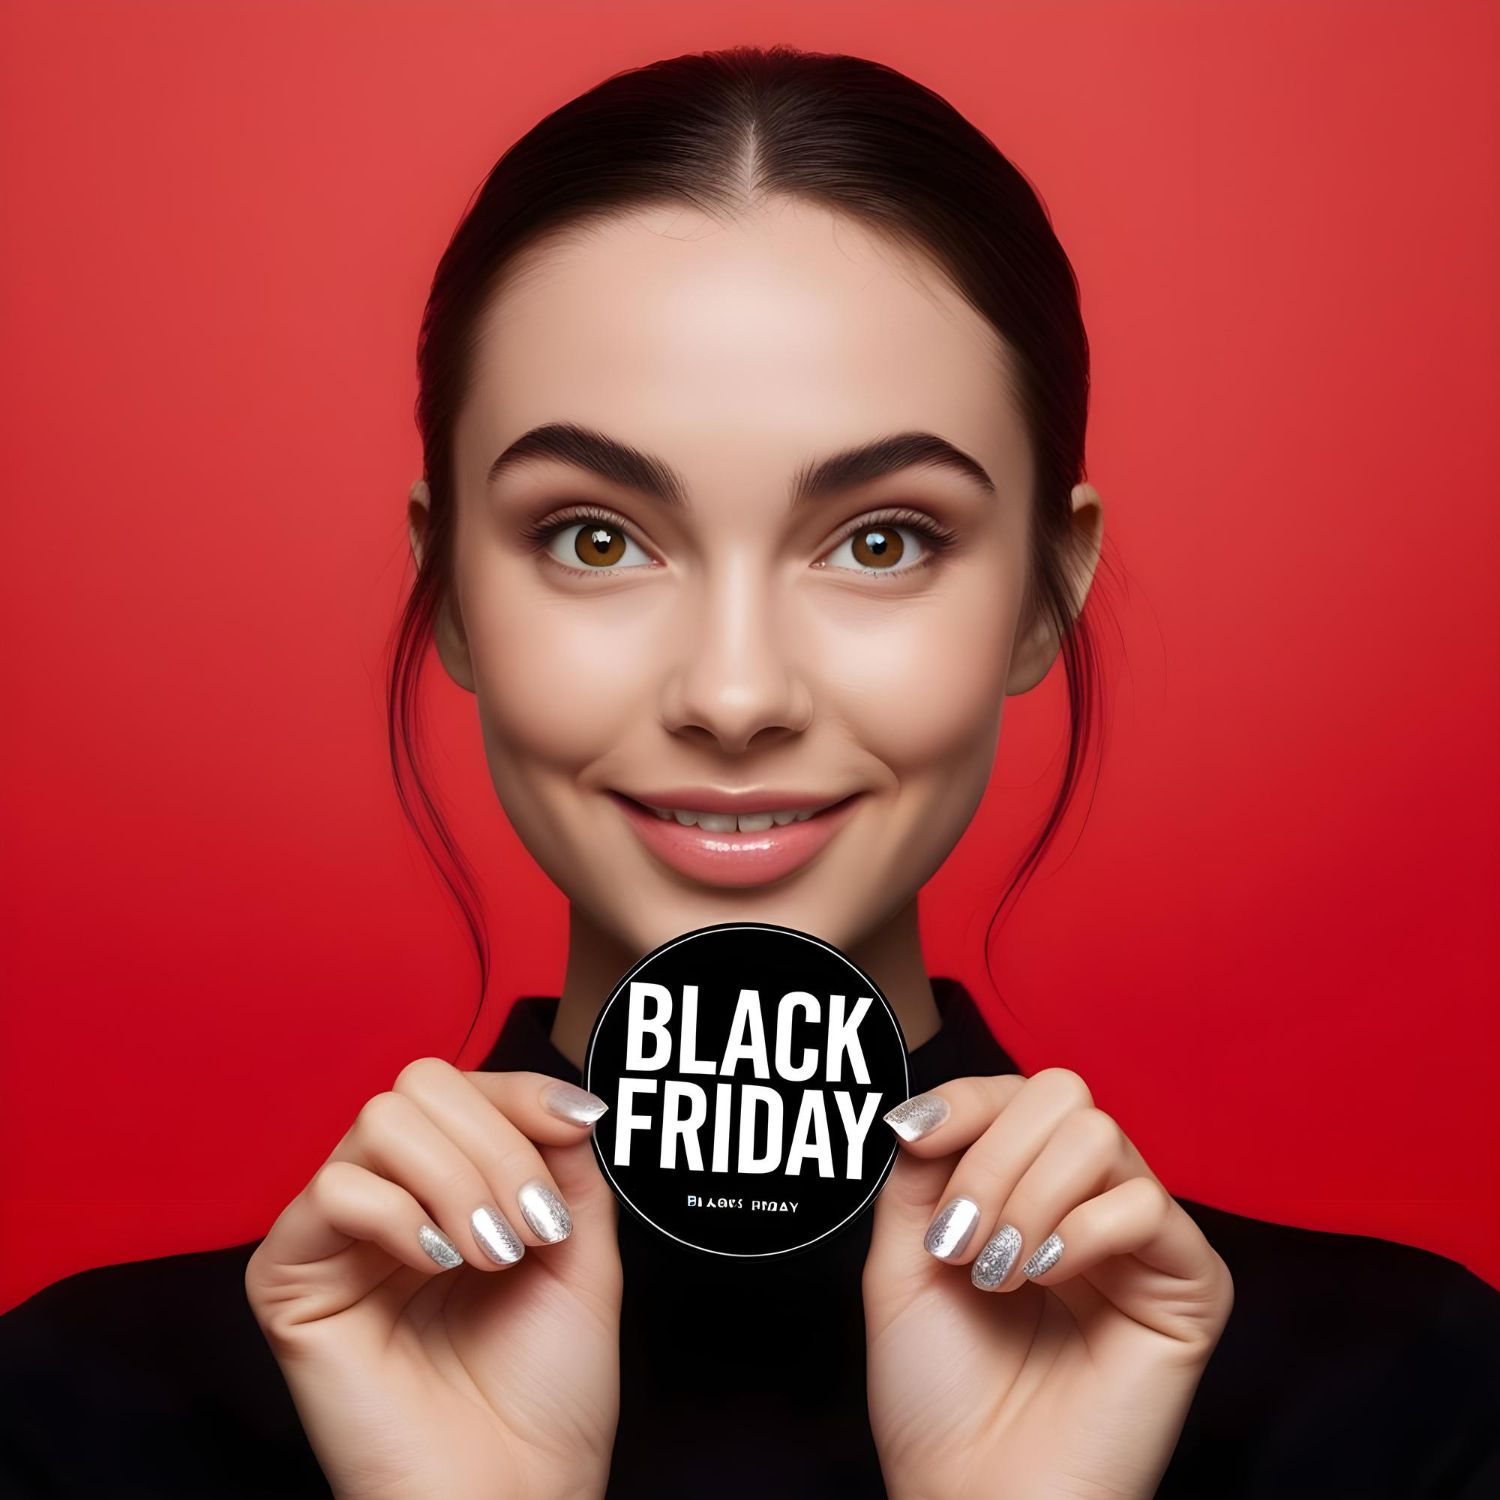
<point x="712" y="822"/>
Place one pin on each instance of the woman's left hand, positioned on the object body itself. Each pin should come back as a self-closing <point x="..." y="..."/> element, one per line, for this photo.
<point x="1072" y="1380"/>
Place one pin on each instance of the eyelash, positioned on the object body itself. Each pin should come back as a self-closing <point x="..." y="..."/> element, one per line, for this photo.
<point x="938" y="539"/>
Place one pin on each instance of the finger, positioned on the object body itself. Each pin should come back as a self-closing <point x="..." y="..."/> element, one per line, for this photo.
<point x="949" y="1117"/>
<point x="345" y="1203"/>
<point x="394" y="1137"/>
<point x="525" y="1200"/>
<point x="575" y="1170"/>
<point x="902" y="1212"/>
<point x="1139" y="1249"/>
<point x="1137" y="1217"/>
<point x="988" y="1172"/>
<point x="589" y="1259"/>
<point x="1085" y="1154"/>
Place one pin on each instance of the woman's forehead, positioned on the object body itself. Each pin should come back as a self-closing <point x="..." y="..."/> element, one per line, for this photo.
<point x="786" y="332"/>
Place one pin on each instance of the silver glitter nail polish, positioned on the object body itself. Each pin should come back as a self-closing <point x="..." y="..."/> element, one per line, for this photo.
<point x="495" y="1236"/>
<point x="439" y="1247"/>
<point x="1044" y="1257"/>
<point x="573" y="1104"/>
<point x="545" y="1213"/>
<point x="949" y="1234"/>
<point x="921" y="1113"/>
<point x="993" y="1264"/>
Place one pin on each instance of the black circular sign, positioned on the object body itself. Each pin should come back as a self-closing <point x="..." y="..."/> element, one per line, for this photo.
<point x="746" y="1067"/>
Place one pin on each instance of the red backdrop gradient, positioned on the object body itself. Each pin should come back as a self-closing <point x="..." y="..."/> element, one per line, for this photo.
<point x="1271" y="944"/>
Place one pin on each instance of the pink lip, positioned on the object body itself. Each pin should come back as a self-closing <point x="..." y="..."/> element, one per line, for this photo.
<point x="735" y="859"/>
<point x="711" y="799"/>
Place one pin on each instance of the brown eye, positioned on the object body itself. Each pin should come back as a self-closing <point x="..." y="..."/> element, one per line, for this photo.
<point x="600" y="545"/>
<point x="880" y="547"/>
<point x="597" y="545"/>
<point x="877" y="546"/>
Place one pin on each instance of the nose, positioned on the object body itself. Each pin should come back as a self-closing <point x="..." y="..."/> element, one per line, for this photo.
<point x="734" y="679"/>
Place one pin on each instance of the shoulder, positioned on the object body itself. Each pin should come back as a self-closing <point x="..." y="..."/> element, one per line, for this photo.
<point x="1260" y="1248"/>
<point x="202" y="1277"/>
<point x="163" y="1315"/>
<point x="1336" y="1291"/>
<point x="1350" y="1365"/>
<point x="160" y="1363"/>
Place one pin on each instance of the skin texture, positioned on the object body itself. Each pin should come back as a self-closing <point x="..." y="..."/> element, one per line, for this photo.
<point x="738" y="642"/>
<point x="1074" y="1383"/>
<point x="738" y="353"/>
<point x="411" y="1380"/>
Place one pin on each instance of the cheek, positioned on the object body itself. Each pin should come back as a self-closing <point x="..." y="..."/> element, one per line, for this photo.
<point x="557" y="677"/>
<point x="922" y="680"/>
<point x="918" y="682"/>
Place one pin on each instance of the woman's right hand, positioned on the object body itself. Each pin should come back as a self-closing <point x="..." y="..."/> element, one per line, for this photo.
<point x="484" y="1379"/>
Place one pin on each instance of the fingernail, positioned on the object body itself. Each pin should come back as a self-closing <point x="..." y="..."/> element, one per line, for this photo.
<point x="917" y="1116"/>
<point x="949" y="1234"/>
<point x="571" y="1103"/>
<point x="545" y="1213"/>
<point x="1044" y="1257"/>
<point x="993" y="1264"/>
<point x="496" y="1237"/>
<point x="439" y="1247"/>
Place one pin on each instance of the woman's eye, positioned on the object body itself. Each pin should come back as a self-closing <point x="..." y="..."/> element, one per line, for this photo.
<point x="596" y="545"/>
<point x="881" y="548"/>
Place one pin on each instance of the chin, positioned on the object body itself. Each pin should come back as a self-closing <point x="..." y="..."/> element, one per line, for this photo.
<point x="782" y="906"/>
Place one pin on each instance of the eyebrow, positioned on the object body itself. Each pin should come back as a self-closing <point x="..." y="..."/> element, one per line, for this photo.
<point x="621" y="464"/>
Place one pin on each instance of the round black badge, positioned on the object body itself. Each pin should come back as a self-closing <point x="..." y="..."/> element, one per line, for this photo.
<point x="746" y="1067"/>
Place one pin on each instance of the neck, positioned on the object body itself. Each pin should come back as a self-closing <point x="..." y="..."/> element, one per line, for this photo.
<point x="891" y="956"/>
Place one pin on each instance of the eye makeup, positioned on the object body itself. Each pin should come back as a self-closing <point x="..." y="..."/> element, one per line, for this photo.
<point x="937" y="538"/>
<point x="540" y="533"/>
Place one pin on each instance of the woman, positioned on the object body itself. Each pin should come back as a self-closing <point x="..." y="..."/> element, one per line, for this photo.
<point x="753" y="392"/>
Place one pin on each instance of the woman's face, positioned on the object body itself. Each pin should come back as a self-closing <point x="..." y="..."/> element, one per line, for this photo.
<point x="653" y="615"/>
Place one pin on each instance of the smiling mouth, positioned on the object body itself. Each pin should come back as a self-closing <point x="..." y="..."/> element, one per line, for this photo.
<point x="735" y="850"/>
<point x="723" y="822"/>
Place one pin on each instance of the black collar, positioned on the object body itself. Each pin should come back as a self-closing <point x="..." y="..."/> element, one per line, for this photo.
<point x="962" y="1045"/>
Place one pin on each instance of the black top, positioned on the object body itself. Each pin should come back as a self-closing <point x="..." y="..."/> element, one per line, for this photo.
<point x="1350" y="1366"/>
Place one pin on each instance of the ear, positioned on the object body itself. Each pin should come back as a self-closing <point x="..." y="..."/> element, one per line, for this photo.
<point x="447" y="627"/>
<point x="1039" y="643"/>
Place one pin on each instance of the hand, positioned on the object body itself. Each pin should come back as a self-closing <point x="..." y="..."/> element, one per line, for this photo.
<point x="1072" y="1381"/>
<point x="482" y="1378"/>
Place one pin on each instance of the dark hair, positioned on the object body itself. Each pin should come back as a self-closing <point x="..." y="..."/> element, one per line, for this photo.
<point x="721" y="131"/>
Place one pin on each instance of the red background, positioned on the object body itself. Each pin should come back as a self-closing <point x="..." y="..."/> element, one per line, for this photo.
<point x="1271" y="946"/>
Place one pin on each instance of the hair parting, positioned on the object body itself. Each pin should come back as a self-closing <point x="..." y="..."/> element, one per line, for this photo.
<point x="725" y="132"/>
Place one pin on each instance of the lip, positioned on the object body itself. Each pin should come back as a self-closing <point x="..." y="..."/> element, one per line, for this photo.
<point x="735" y="859"/>
<point x="710" y="799"/>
